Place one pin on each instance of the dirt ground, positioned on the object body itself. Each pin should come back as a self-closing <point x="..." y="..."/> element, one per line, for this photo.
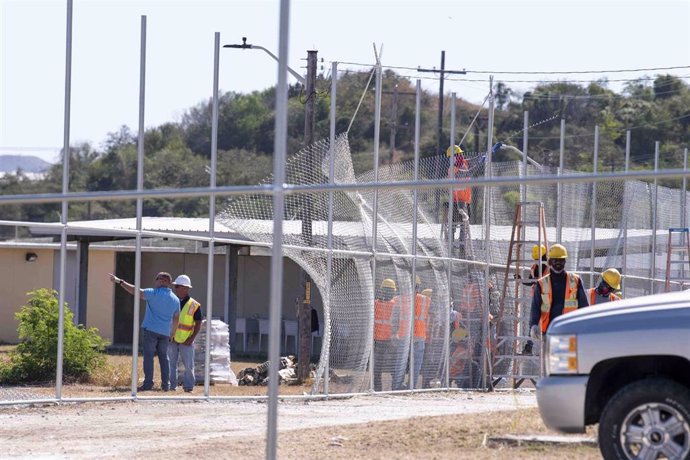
<point x="427" y="425"/>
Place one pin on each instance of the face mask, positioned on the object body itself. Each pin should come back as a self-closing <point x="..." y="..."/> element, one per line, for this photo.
<point x="557" y="267"/>
<point x="603" y="289"/>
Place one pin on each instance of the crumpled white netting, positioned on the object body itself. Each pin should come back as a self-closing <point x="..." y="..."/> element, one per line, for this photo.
<point x="348" y="312"/>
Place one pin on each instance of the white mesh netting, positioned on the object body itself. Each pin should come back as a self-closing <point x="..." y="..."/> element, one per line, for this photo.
<point x="355" y="273"/>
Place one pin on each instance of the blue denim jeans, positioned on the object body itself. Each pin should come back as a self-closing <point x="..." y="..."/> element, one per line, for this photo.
<point x="419" y="346"/>
<point x="155" y="343"/>
<point x="184" y="353"/>
<point x="400" y="357"/>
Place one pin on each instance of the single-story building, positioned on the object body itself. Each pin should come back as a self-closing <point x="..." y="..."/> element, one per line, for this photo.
<point x="241" y="277"/>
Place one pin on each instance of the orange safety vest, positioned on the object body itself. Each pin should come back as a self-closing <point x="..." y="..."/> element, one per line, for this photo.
<point x="569" y="303"/>
<point x="421" y="316"/>
<point x="463" y="194"/>
<point x="383" y="318"/>
<point x="535" y="271"/>
<point x="185" y="326"/>
<point x="593" y="297"/>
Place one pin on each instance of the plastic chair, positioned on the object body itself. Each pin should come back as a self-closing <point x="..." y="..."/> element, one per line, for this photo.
<point x="314" y="335"/>
<point x="290" y="330"/>
<point x="246" y="327"/>
<point x="264" y="329"/>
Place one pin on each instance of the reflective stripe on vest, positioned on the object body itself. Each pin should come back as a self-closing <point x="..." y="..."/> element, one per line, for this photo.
<point x="185" y="326"/>
<point x="383" y="319"/>
<point x="569" y="302"/>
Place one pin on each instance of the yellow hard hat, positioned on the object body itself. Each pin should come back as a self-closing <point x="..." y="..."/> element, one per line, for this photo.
<point x="417" y="280"/>
<point x="426" y="292"/>
<point x="612" y="278"/>
<point x="458" y="151"/>
<point x="538" y="251"/>
<point x="558" y="251"/>
<point x="388" y="283"/>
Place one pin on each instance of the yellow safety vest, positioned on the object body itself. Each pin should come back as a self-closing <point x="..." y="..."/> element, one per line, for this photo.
<point x="185" y="326"/>
<point x="569" y="303"/>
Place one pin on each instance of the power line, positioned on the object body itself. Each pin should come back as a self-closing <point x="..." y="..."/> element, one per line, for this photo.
<point x="555" y="72"/>
<point x="532" y="72"/>
<point x="621" y="130"/>
<point x="484" y="80"/>
<point x="547" y="82"/>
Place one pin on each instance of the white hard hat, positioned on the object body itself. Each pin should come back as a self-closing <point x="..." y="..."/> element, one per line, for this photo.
<point x="183" y="280"/>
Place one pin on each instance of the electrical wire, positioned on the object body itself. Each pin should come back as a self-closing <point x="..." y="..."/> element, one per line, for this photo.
<point x="542" y="82"/>
<point x="531" y="72"/>
<point x="450" y="78"/>
<point x="621" y="130"/>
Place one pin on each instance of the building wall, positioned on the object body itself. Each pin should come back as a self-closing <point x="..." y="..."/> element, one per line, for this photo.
<point x="99" y="306"/>
<point x="253" y="296"/>
<point x="19" y="277"/>
<point x="254" y="286"/>
<point x="195" y="266"/>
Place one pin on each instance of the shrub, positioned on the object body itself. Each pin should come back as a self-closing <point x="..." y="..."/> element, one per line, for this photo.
<point x="512" y="198"/>
<point x="35" y="358"/>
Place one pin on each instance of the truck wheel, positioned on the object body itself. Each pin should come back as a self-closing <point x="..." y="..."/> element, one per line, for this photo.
<point x="647" y="419"/>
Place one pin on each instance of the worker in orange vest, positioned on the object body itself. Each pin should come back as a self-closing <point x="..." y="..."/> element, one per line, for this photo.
<point x="422" y="302"/>
<point x="605" y="291"/>
<point x="386" y="324"/>
<point x="555" y="294"/>
<point x="462" y="196"/>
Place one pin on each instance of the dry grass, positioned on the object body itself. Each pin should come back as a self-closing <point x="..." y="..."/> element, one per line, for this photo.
<point x="115" y="379"/>
<point x="456" y="436"/>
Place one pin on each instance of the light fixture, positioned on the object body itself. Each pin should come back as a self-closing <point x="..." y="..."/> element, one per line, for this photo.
<point x="31" y="257"/>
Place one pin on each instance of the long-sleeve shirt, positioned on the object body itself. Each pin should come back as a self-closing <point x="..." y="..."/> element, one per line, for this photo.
<point x="558" y="281"/>
<point x="534" y="274"/>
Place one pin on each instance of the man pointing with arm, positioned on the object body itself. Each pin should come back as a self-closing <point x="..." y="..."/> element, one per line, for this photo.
<point x="162" y="308"/>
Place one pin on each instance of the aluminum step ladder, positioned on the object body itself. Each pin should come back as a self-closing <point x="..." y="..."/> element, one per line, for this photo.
<point x="512" y="322"/>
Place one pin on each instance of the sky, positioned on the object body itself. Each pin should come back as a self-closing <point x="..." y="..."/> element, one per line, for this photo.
<point x="478" y="36"/>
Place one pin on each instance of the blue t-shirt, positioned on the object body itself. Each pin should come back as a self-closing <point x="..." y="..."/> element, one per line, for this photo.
<point x="161" y="306"/>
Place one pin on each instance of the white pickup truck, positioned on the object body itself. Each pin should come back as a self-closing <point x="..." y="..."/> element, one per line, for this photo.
<point x="625" y="365"/>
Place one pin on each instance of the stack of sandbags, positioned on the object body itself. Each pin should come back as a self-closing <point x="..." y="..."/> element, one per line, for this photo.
<point x="219" y="361"/>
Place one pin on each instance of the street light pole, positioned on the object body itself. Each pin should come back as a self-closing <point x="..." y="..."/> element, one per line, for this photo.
<point x="304" y="312"/>
<point x="248" y="46"/>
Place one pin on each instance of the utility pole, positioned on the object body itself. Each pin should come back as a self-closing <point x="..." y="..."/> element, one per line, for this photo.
<point x="304" y="307"/>
<point x="439" y="123"/>
<point x="394" y="126"/>
<point x="394" y="115"/>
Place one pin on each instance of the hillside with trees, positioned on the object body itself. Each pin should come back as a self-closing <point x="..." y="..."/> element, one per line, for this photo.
<point x="177" y="155"/>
